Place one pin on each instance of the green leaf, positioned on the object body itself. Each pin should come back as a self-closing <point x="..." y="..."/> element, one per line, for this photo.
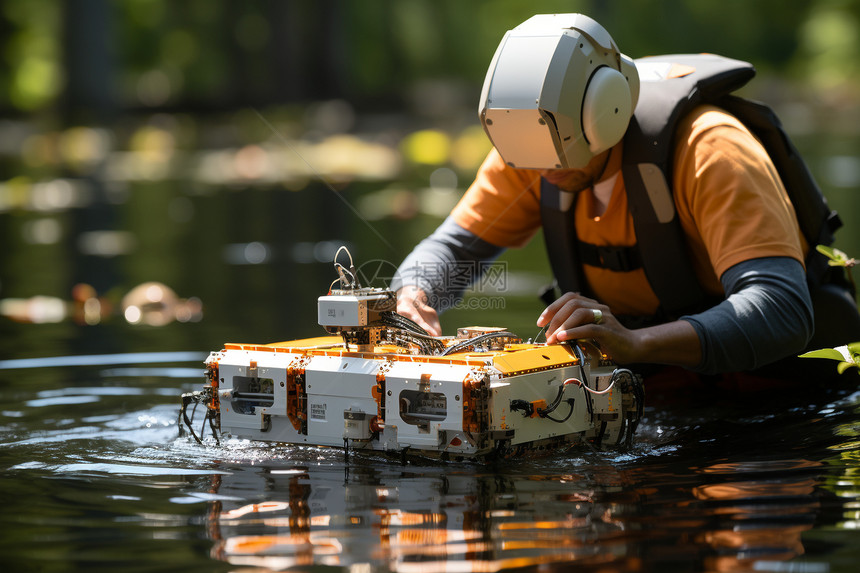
<point x="830" y="353"/>
<point x="826" y="251"/>
<point x="848" y="356"/>
<point x="837" y="257"/>
<point x="843" y="366"/>
<point x="854" y="351"/>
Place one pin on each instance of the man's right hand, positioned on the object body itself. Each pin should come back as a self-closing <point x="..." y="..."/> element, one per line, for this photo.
<point x="412" y="303"/>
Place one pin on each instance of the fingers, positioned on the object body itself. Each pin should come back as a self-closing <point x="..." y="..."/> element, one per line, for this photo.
<point x="423" y="315"/>
<point x="572" y="316"/>
<point x="579" y="324"/>
<point x="561" y="309"/>
<point x="429" y="321"/>
<point x="411" y="303"/>
<point x="553" y="308"/>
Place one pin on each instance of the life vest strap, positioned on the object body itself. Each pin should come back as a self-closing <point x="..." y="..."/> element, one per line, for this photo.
<point x="618" y="259"/>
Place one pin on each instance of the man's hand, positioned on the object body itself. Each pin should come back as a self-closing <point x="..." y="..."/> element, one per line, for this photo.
<point x="574" y="316"/>
<point x="412" y="303"/>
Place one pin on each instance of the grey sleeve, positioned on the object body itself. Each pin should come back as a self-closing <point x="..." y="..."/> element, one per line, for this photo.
<point x="445" y="264"/>
<point x="767" y="315"/>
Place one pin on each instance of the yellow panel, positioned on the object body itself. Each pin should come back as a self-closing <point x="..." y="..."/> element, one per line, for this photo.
<point x="539" y="358"/>
<point x="318" y="341"/>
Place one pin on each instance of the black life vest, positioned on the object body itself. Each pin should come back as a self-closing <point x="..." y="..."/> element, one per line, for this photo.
<point x="649" y="143"/>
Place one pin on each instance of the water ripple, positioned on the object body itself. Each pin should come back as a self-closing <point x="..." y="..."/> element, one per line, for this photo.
<point x="102" y="359"/>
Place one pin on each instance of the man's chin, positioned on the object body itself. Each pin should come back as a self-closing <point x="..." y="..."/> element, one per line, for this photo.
<point x="568" y="179"/>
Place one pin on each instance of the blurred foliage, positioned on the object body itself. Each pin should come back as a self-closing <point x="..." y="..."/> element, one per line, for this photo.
<point x="30" y="77"/>
<point x="837" y="258"/>
<point x="847" y="356"/>
<point x="200" y="55"/>
<point x="140" y="140"/>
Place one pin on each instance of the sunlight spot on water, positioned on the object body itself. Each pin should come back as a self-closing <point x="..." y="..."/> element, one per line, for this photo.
<point x="121" y="469"/>
<point x="162" y="372"/>
<point x="91" y="391"/>
<point x="28" y="466"/>
<point x="150" y="420"/>
<point x="202" y="497"/>
<point x="792" y="566"/>
<point x="97" y="419"/>
<point x="62" y="400"/>
<point x="103" y="359"/>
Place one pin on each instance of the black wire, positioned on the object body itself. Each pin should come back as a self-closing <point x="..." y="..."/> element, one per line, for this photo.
<point x="397" y="320"/>
<point x="203" y="426"/>
<point x="523" y="405"/>
<point x="566" y="418"/>
<point x="589" y="405"/>
<point x="551" y="408"/>
<point x="545" y="413"/>
<point x="474" y="341"/>
<point x="526" y="407"/>
<point x="427" y="344"/>
<point x="639" y="395"/>
<point x="188" y="422"/>
<point x="581" y="357"/>
<point x="364" y="446"/>
<point x="211" y="417"/>
<point x="599" y="437"/>
<point x="411" y="330"/>
<point x="624" y="427"/>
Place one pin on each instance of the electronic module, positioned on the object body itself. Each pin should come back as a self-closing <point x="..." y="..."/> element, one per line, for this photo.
<point x="378" y="381"/>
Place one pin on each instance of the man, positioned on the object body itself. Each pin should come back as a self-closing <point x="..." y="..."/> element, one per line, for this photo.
<point x="556" y="103"/>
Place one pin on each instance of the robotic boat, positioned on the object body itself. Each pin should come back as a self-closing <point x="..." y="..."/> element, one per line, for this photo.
<point x="378" y="381"/>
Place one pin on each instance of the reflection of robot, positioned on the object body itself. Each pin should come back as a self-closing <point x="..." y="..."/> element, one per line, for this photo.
<point x="305" y="516"/>
<point x="381" y="382"/>
<point x="373" y="516"/>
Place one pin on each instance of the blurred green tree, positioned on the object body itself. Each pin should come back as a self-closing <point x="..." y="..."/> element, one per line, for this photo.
<point x="203" y="55"/>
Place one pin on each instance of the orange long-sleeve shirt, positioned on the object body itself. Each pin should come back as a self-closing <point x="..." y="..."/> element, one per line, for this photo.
<point x="730" y="201"/>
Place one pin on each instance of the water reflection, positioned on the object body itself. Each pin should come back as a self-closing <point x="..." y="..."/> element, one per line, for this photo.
<point x="763" y="508"/>
<point x="748" y="515"/>
<point x="410" y="521"/>
<point x="689" y="495"/>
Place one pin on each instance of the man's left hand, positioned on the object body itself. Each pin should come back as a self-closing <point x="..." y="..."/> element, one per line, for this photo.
<point x="574" y="316"/>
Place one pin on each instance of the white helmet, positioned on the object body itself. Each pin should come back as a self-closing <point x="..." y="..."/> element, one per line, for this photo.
<point x="557" y="93"/>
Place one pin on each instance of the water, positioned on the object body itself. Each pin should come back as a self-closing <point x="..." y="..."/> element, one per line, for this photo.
<point x="94" y="476"/>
